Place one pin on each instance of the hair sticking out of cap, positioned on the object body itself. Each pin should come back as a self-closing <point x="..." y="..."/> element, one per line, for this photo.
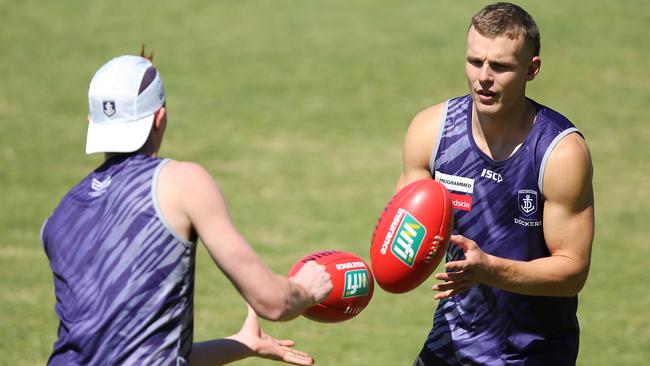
<point x="142" y="54"/>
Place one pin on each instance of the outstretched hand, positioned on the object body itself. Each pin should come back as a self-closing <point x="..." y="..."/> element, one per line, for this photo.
<point x="265" y="346"/>
<point x="463" y="274"/>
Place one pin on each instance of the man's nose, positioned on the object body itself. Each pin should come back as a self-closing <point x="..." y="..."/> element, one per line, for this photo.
<point x="485" y="75"/>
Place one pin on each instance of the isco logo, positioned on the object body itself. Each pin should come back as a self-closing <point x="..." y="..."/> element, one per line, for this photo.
<point x="489" y="174"/>
<point x="356" y="283"/>
<point x="409" y="237"/>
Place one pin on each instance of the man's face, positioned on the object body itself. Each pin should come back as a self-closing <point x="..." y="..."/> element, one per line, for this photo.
<point x="497" y="71"/>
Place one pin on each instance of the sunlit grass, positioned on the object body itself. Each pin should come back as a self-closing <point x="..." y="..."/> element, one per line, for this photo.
<point x="298" y="109"/>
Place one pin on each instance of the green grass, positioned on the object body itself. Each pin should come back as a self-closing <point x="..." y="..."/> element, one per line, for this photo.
<point x="298" y="109"/>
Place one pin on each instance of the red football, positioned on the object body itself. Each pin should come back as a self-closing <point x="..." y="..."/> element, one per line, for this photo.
<point x="352" y="282"/>
<point x="411" y="236"/>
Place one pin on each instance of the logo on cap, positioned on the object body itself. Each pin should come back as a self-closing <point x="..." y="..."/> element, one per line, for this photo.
<point x="109" y="107"/>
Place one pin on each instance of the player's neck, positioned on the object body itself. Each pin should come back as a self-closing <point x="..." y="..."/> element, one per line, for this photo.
<point x="148" y="149"/>
<point x="500" y="135"/>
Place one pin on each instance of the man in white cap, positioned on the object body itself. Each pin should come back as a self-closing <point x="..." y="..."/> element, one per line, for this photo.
<point x="122" y="242"/>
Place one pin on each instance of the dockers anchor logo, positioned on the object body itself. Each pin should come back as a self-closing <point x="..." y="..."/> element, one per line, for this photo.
<point x="527" y="201"/>
<point x="109" y="107"/>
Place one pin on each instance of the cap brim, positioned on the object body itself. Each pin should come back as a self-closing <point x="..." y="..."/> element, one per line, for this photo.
<point x="117" y="137"/>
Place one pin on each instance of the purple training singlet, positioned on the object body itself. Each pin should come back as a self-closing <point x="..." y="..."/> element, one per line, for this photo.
<point x="123" y="278"/>
<point x="499" y="204"/>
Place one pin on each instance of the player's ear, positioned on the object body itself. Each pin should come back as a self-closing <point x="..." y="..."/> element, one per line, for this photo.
<point x="534" y="67"/>
<point x="160" y="117"/>
<point x="88" y="117"/>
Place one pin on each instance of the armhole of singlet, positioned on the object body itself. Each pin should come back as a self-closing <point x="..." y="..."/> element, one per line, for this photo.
<point x="41" y="235"/>
<point x="154" y="198"/>
<point x="547" y="154"/>
<point x="436" y="146"/>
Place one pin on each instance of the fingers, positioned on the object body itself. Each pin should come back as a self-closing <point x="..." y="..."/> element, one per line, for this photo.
<point x="296" y="352"/>
<point x="315" y="279"/>
<point x="456" y="266"/>
<point x="280" y="350"/>
<point x="453" y="283"/>
<point x="451" y="276"/>
<point x="449" y="293"/>
<point x="451" y="287"/>
<point x="265" y="346"/>
<point x="296" y="357"/>
<point x="461" y="275"/>
<point x="461" y="241"/>
<point x="286" y="342"/>
<point x="446" y="286"/>
<point x="283" y="352"/>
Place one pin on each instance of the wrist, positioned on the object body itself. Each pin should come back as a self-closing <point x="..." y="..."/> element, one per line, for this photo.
<point x="304" y="296"/>
<point x="490" y="266"/>
<point x="251" y="347"/>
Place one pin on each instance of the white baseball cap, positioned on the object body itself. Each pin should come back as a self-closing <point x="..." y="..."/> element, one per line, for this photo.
<point x="123" y="96"/>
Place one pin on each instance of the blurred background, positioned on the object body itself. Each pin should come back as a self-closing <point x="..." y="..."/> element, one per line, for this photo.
<point x="298" y="109"/>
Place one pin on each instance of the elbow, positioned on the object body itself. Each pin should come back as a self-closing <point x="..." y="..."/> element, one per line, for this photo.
<point x="571" y="290"/>
<point x="277" y="313"/>
<point x="268" y="310"/>
<point x="578" y="286"/>
<point x="272" y="315"/>
<point x="281" y="316"/>
<point x="575" y="283"/>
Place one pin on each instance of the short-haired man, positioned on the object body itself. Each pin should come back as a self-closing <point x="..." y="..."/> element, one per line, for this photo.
<point x="520" y="177"/>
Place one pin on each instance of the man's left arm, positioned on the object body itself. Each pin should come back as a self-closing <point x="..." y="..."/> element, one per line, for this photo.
<point x="568" y="230"/>
<point x="250" y="341"/>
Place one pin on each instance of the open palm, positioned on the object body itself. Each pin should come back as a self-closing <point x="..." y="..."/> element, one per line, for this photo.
<point x="265" y="346"/>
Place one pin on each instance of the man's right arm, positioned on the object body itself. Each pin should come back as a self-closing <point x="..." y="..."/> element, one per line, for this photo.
<point x="418" y="145"/>
<point x="190" y="199"/>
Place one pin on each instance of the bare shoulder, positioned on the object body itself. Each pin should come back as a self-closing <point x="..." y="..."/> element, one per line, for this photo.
<point x="186" y="180"/>
<point x="569" y="172"/>
<point x="423" y="132"/>
<point x="182" y="189"/>
<point x="188" y="191"/>
<point x="428" y="120"/>
<point x="419" y="142"/>
<point x="185" y="173"/>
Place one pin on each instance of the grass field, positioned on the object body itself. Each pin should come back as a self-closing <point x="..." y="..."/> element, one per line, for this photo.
<point x="298" y="109"/>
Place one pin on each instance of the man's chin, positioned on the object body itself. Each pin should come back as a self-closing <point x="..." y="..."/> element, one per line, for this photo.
<point x="488" y="108"/>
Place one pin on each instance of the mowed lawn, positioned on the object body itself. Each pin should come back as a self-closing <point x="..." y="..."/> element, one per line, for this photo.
<point x="298" y="109"/>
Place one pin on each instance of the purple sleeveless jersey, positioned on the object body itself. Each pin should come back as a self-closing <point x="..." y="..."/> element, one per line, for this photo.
<point x="123" y="279"/>
<point x="499" y="204"/>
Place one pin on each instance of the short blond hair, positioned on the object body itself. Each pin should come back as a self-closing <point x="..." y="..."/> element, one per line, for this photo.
<point x="507" y="19"/>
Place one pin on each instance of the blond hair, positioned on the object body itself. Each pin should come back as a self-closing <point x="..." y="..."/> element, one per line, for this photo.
<point x="507" y="19"/>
